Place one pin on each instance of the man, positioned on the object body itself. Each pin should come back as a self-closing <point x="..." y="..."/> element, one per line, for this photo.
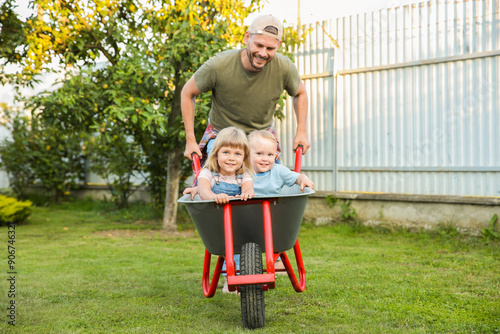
<point x="246" y="85"/>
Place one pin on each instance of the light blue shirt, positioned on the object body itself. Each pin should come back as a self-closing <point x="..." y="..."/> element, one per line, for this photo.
<point x="272" y="181"/>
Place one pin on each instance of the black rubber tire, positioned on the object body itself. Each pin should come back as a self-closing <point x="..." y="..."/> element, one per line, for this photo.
<point x="252" y="296"/>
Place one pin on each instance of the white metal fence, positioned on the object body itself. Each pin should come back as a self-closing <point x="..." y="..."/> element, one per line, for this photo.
<point x="409" y="104"/>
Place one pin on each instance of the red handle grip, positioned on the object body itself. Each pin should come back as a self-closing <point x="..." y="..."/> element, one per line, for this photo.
<point x="196" y="164"/>
<point x="298" y="158"/>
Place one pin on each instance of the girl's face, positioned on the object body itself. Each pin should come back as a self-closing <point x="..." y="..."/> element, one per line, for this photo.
<point x="263" y="154"/>
<point x="230" y="159"/>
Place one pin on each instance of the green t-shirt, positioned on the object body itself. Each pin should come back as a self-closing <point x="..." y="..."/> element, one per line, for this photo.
<point x="241" y="98"/>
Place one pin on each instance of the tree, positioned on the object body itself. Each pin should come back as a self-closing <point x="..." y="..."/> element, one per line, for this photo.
<point x="13" y="44"/>
<point x="151" y="48"/>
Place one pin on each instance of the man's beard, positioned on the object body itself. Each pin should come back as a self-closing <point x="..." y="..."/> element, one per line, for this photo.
<point x="250" y="59"/>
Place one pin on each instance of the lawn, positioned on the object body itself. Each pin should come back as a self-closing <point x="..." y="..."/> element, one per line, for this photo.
<point x="81" y="268"/>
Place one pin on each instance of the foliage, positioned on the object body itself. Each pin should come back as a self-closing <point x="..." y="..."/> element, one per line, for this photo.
<point x="13" y="45"/>
<point x="40" y="152"/>
<point x="117" y="160"/>
<point x="491" y="233"/>
<point x="348" y="213"/>
<point x="13" y="211"/>
<point x="14" y="157"/>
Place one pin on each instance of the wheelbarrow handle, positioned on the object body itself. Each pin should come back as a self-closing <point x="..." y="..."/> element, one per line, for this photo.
<point x="298" y="158"/>
<point x="196" y="164"/>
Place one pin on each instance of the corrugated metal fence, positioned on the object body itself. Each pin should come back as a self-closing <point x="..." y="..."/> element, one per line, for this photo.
<point x="409" y="104"/>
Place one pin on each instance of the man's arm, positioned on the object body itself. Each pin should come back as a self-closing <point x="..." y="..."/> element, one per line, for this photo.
<point x="300" y="105"/>
<point x="188" y="96"/>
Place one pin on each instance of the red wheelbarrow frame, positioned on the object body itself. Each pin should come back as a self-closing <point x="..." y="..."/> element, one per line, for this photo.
<point x="267" y="279"/>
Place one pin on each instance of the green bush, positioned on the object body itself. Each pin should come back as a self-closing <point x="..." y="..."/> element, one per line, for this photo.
<point x="12" y="210"/>
<point x="43" y="153"/>
<point x="116" y="158"/>
<point x="15" y="157"/>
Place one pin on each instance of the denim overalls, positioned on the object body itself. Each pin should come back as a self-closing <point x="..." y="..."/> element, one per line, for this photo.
<point x="230" y="189"/>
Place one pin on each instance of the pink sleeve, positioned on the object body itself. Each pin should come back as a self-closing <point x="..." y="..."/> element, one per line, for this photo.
<point x="206" y="174"/>
<point x="246" y="177"/>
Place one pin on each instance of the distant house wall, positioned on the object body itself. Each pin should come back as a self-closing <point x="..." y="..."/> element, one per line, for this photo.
<point x="4" y="182"/>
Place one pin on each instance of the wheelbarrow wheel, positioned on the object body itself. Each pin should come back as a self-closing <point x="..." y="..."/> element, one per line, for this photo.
<point x="252" y="296"/>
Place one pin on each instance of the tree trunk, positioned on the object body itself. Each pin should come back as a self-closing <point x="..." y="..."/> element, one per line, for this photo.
<point x="174" y="160"/>
<point x="173" y="177"/>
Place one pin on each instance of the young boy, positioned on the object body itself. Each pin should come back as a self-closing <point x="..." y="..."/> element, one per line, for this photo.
<point x="271" y="177"/>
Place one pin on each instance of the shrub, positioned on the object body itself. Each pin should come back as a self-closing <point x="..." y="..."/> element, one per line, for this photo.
<point x="12" y="210"/>
<point x="117" y="159"/>
<point x="43" y="153"/>
<point x="15" y="157"/>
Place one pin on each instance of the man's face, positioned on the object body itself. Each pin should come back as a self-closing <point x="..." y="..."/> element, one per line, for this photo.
<point x="260" y="50"/>
<point x="263" y="154"/>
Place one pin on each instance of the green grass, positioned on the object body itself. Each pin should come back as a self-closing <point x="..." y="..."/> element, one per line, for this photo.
<point x="84" y="268"/>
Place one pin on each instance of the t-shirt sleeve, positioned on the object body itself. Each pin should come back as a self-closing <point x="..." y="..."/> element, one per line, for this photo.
<point x="206" y="76"/>
<point x="288" y="176"/>
<point x="246" y="177"/>
<point x="206" y="174"/>
<point x="293" y="82"/>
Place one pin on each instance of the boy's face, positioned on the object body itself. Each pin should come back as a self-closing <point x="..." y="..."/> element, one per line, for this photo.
<point x="263" y="154"/>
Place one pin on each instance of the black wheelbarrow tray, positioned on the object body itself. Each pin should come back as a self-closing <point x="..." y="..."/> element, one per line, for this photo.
<point x="267" y="224"/>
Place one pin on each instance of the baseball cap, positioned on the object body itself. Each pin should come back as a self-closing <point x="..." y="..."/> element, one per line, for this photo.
<point x="267" y="25"/>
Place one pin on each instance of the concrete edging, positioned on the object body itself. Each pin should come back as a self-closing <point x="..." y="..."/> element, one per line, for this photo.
<point x="465" y="213"/>
<point x="474" y="200"/>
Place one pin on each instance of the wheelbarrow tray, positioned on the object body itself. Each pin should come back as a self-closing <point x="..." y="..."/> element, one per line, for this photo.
<point x="287" y="210"/>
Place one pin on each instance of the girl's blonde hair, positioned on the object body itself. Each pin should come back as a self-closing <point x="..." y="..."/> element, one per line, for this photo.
<point x="235" y="138"/>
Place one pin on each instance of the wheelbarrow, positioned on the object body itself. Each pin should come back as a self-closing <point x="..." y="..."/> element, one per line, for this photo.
<point x="268" y="224"/>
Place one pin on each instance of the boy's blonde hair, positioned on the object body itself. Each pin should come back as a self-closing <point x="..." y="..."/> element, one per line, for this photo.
<point x="235" y="138"/>
<point x="262" y="134"/>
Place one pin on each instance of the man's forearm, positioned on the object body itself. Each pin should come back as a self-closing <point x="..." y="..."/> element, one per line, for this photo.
<point x="300" y="105"/>
<point x="188" y="107"/>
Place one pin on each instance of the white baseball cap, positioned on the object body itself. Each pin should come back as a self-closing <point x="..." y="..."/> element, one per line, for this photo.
<point x="267" y="25"/>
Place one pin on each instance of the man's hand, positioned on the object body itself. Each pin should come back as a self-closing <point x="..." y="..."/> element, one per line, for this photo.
<point x="192" y="147"/>
<point x="301" y="139"/>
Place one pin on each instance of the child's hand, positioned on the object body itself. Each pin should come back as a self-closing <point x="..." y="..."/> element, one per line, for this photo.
<point x="193" y="191"/>
<point x="247" y="191"/>
<point x="222" y="198"/>
<point x="246" y="195"/>
<point x="303" y="181"/>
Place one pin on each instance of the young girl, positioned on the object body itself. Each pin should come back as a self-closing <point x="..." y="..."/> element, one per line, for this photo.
<point x="227" y="171"/>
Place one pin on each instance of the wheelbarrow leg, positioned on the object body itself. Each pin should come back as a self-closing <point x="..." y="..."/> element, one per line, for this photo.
<point x="268" y="237"/>
<point x="299" y="286"/>
<point x="210" y="289"/>
<point x="228" y="237"/>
